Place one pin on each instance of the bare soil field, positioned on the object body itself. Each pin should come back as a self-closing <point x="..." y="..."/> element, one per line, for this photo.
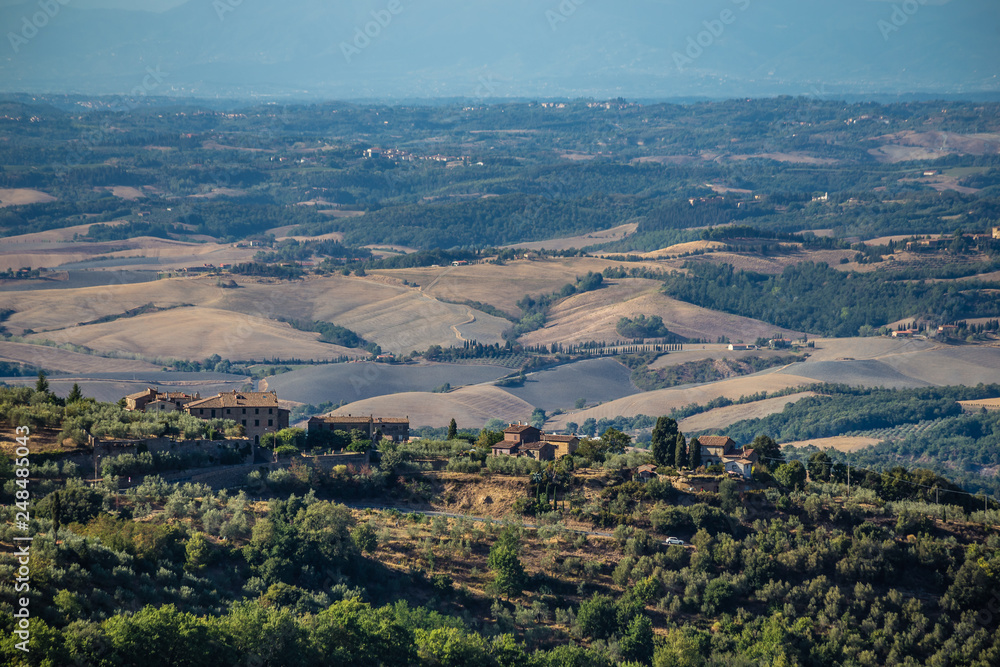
<point x="594" y="238"/>
<point x="662" y="401"/>
<point x="470" y="407"/>
<point x="722" y="417"/>
<point x="22" y="196"/>
<point x="948" y="365"/>
<point x="197" y="333"/>
<point x="53" y="359"/>
<point x="842" y="443"/>
<point x="833" y="349"/>
<point x="866" y="373"/>
<point x="593" y="316"/>
<point x="352" y="382"/>
<point x="595" y="380"/>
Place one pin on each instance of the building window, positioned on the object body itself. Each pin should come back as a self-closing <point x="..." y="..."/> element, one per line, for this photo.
<point x="256" y="411"/>
<point x="244" y="422"/>
<point x="213" y="413"/>
<point x="270" y="422"/>
<point x="256" y="422"/>
<point x="244" y="410"/>
<point x="269" y="410"/>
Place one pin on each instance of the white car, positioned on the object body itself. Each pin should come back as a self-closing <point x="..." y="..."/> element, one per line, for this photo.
<point x="673" y="540"/>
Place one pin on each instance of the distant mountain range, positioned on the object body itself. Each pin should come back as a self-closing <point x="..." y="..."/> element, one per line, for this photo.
<point x="505" y="48"/>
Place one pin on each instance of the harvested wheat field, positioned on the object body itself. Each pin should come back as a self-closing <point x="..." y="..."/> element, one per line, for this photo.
<point x="198" y="333"/>
<point x="502" y="285"/>
<point x="593" y="316"/>
<point x="975" y="406"/>
<point x="582" y="241"/>
<point x="54" y="359"/>
<point x="681" y="248"/>
<point x="23" y="196"/>
<point x="470" y="407"/>
<point x="662" y="401"/>
<point x="400" y="319"/>
<point x="774" y="264"/>
<point x="723" y="417"/>
<point x="842" y="443"/>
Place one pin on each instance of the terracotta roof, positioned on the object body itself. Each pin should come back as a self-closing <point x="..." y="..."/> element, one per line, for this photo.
<point x="145" y="392"/>
<point x="534" y="445"/>
<point x="518" y="428"/>
<point x="649" y="467"/>
<point x="561" y="438"/>
<point x="715" y="441"/>
<point x="392" y="420"/>
<point x="237" y="399"/>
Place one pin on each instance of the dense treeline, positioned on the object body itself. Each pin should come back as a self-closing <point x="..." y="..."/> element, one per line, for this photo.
<point x="817" y="298"/>
<point x="952" y="443"/>
<point x="842" y="409"/>
<point x="492" y="221"/>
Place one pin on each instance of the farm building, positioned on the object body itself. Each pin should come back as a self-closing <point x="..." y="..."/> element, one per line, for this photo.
<point x="392" y="428"/>
<point x="524" y="440"/>
<point x="257" y="411"/>
<point x="156" y="401"/>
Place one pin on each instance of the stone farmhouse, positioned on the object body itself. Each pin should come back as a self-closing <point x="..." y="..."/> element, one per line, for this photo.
<point x="524" y="440"/>
<point x="152" y="400"/>
<point x="722" y="450"/>
<point x="257" y="411"/>
<point x="390" y="428"/>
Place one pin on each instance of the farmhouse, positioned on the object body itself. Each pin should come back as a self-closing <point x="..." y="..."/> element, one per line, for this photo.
<point x="722" y="450"/>
<point x="905" y="333"/>
<point x="714" y="447"/>
<point x="741" y="346"/>
<point x="153" y="400"/>
<point x="646" y="472"/>
<point x="524" y="440"/>
<point x="257" y="411"/>
<point x="564" y="444"/>
<point x="391" y="428"/>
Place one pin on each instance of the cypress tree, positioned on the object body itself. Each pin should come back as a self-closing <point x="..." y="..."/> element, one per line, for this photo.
<point x="694" y="453"/>
<point x="680" y="450"/>
<point x="663" y="441"/>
